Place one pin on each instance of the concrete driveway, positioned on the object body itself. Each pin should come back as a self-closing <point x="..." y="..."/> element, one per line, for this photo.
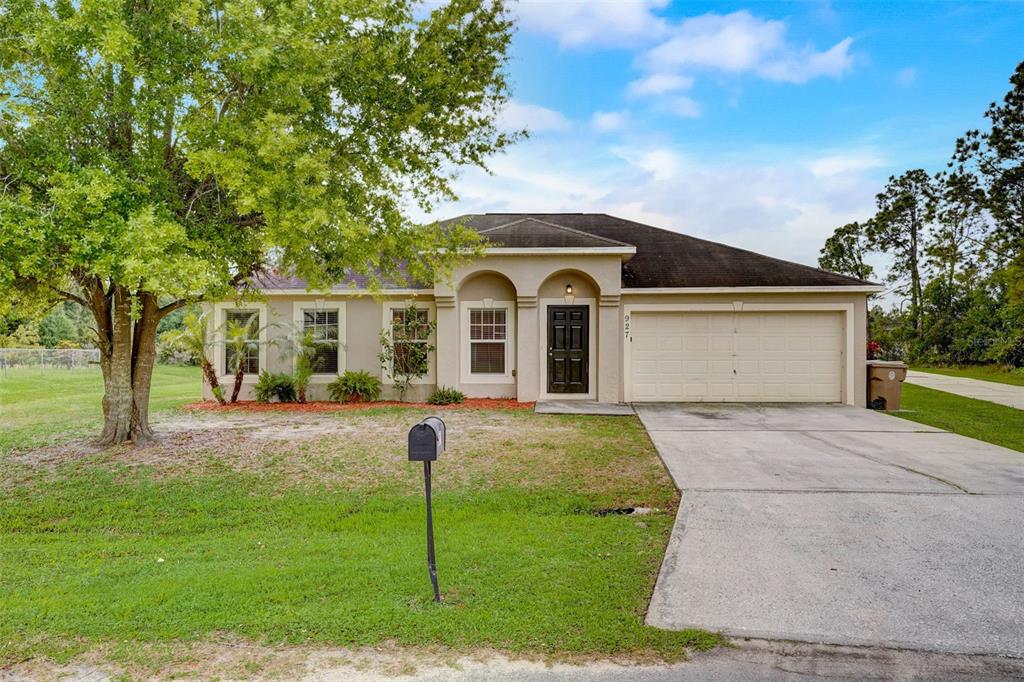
<point x="839" y="525"/>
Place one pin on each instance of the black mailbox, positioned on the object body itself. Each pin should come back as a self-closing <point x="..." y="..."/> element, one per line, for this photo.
<point x="426" y="440"/>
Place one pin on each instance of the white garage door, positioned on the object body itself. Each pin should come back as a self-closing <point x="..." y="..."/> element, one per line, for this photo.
<point x="753" y="356"/>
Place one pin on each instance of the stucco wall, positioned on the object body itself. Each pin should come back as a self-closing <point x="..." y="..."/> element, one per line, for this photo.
<point x="526" y="285"/>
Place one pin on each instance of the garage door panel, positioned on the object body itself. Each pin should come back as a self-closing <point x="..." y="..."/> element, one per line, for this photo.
<point x="755" y="356"/>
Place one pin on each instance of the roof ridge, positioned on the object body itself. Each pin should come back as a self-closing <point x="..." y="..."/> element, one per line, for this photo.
<point x="739" y="248"/>
<point x="564" y="228"/>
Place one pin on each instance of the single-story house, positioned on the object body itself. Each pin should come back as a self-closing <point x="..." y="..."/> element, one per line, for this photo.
<point x="589" y="306"/>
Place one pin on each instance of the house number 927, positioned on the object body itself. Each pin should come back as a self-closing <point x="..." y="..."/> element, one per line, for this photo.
<point x="625" y="325"/>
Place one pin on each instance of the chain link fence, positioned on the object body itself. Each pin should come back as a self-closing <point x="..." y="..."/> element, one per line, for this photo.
<point x="48" y="358"/>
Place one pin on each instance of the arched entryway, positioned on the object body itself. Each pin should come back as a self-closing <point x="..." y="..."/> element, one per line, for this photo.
<point x="567" y="303"/>
<point x="487" y="323"/>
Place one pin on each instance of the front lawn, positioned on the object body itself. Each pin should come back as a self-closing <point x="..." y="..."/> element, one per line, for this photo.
<point x="285" y="528"/>
<point x="983" y="372"/>
<point x="979" y="419"/>
<point x="40" y="405"/>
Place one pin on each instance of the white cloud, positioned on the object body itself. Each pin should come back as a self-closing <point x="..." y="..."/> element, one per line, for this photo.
<point x="575" y="23"/>
<point x="535" y="118"/>
<point x="659" y="83"/>
<point x="683" y="106"/>
<point x="740" y="42"/>
<point x="906" y="76"/>
<point x="660" y="164"/>
<point x="609" y="121"/>
<point x="845" y="162"/>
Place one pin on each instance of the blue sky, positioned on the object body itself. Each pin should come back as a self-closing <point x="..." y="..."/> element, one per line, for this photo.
<point x="763" y="125"/>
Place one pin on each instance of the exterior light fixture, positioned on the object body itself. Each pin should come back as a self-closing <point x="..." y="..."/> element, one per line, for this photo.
<point x="569" y="295"/>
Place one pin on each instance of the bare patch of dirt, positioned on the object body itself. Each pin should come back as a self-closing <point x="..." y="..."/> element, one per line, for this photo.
<point x="245" y="660"/>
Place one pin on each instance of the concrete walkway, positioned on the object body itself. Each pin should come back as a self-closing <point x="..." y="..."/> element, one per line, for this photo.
<point x="1004" y="394"/>
<point x="583" y="407"/>
<point x="839" y="525"/>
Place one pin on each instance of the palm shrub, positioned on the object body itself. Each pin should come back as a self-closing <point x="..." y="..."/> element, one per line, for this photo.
<point x="442" y="395"/>
<point x="355" y="386"/>
<point x="270" y="386"/>
<point x="238" y="339"/>
<point x="305" y="363"/>
<point x="192" y="338"/>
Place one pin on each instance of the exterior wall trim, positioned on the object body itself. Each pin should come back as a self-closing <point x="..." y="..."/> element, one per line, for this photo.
<point x="345" y="292"/>
<point x="217" y="334"/>
<point x="465" y="375"/>
<point x="849" y="365"/>
<point x="430" y="377"/>
<point x="853" y="289"/>
<point x="297" y="319"/>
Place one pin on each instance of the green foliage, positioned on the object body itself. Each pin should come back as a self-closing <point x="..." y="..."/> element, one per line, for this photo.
<point x="167" y="151"/>
<point x="406" y="346"/>
<point x="271" y="386"/>
<point x="956" y="244"/>
<point x="355" y="386"/>
<point x="845" y="250"/>
<point x="443" y="395"/>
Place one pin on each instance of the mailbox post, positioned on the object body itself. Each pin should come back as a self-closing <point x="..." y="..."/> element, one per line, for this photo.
<point x="426" y="441"/>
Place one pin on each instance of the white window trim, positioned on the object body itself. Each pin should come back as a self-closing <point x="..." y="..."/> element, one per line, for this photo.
<point x="542" y="307"/>
<point x="217" y="334"/>
<point x="431" y="308"/>
<point x="467" y="376"/>
<point x="849" y="377"/>
<point x="298" y="307"/>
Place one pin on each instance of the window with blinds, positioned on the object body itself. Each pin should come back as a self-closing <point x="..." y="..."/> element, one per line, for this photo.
<point x="404" y="335"/>
<point x="322" y="325"/>
<point x="487" y="340"/>
<point x="251" y="353"/>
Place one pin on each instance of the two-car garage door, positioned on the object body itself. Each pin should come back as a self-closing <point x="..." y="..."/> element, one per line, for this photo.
<point x="736" y="356"/>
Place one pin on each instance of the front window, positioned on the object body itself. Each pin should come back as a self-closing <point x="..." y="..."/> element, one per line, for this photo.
<point x="405" y="335"/>
<point x="487" y="340"/>
<point x="242" y="337"/>
<point x="322" y="326"/>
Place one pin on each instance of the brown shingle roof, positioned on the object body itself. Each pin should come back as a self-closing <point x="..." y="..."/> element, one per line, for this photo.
<point x="668" y="259"/>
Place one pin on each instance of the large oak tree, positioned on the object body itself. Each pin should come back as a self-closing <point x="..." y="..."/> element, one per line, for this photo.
<point x="159" y="152"/>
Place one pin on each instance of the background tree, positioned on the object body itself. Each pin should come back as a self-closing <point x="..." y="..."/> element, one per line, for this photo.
<point x="905" y="207"/>
<point x="845" y="250"/>
<point x="156" y="154"/>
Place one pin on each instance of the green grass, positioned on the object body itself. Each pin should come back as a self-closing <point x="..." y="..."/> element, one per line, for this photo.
<point x="42" y="405"/>
<point x="321" y="541"/>
<point x="984" y="372"/>
<point x="979" y="419"/>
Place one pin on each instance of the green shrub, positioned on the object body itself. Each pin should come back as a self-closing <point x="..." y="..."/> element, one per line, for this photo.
<point x="280" y="386"/>
<point x="353" y="386"/>
<point x="443" y="395"/>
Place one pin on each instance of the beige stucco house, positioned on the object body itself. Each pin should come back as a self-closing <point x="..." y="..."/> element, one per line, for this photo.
<point x="589" y="306"/>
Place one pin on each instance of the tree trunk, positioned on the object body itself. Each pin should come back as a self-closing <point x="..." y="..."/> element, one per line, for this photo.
<point x="211" y="378"/>
<point x="127" y="359"/>
<point x="238" y="384"/>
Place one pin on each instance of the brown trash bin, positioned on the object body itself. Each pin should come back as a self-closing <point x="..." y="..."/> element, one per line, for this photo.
<point x="885" y="384"/>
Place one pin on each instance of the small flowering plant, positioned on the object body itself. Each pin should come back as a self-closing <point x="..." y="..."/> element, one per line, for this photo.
<point x="873" y="349"/>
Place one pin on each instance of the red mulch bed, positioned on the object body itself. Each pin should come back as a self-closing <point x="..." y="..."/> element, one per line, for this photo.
<point x="320" y="406"/>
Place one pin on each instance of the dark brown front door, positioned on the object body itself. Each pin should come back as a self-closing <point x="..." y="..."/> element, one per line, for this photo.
<point x="568" y="348"/>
